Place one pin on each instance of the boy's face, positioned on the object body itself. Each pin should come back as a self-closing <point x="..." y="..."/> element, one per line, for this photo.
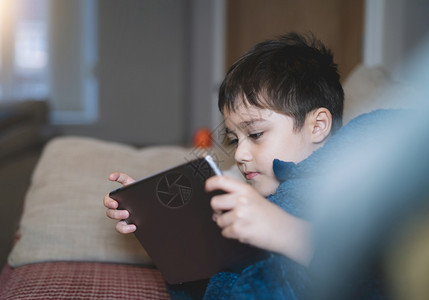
<point x="260" y="136"/>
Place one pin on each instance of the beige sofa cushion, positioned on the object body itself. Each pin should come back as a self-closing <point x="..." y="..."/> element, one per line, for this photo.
<point x="370" y="88"/>
<point x="64" y="217"/>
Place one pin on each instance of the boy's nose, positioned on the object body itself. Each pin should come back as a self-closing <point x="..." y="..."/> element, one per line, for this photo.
<point x="242" y="153"/>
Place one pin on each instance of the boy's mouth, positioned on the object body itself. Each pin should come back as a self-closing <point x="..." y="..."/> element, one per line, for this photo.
<point x="251" y="175"/>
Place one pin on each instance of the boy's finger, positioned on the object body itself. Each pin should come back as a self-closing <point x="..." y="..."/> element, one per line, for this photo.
<point x="230" y="232"/>
<point x="122" y="178"/>
<point x="110" y="203"/>
<point x="221" y="203"/>
<point x="117" y="214"/>
<point x="223" y="183"/>
<point x="216" y="214"/>
<point x="123" y="227"/>
<point x="226" y="219"/>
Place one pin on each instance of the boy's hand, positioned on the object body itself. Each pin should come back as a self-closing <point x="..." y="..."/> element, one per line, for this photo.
<point x="243" y="214"/>
<point x="112" y="205"/>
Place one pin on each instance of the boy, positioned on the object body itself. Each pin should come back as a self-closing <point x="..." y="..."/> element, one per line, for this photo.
<point x="281" y="101"/>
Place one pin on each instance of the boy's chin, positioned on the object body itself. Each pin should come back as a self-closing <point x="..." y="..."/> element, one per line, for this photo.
<point x="264" y="189"/>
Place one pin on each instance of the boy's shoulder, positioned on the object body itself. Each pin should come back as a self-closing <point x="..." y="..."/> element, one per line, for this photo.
<point x="367" y="128"/>
<point x="372" y="119"/>
<point x="297" y="180"/>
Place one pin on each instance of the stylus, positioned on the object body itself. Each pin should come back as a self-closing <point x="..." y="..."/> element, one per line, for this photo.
<point x="213" y="164"/>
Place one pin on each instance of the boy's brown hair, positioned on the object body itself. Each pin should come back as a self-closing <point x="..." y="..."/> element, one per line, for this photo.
<point x="293" y="75"/>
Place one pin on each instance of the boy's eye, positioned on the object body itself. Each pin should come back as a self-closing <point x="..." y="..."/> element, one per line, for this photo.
<point x="256" y="136"/>
<point x="232" y="141"/>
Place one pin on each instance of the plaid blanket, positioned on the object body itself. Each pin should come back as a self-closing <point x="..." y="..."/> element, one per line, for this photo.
<point x="81" y="280"/>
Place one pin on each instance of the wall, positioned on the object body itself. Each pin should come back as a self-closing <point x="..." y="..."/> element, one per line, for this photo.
<point x="338" y="23"/>
<point x="142" y="71"/>
<point x="393" y="30"/>
<point x="65" y="85"/>
<point x="160" y="62"/>
<point x="207" y="47"/>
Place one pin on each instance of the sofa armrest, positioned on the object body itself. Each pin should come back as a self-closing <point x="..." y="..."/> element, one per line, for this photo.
<point x="23" y="124"/>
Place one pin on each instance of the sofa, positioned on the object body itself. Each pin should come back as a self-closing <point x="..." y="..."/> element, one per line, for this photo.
<point x="66" y="247"/>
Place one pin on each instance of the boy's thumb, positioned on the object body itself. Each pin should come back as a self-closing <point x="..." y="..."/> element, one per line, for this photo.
<point x="122" y="178"/>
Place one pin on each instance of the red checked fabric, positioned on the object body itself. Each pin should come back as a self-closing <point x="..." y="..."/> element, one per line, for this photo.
<point x="81" y="280"/>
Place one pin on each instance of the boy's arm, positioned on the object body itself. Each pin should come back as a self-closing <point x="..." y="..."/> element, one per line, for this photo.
<point x="243" y="214"/>
<point x="294" y="238"/>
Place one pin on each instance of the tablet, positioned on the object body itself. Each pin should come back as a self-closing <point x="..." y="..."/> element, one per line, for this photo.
<point x="173" y="216"/>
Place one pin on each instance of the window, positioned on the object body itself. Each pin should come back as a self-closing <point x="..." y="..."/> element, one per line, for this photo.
<point x="24" y="49"/>
<point x="37" y="37"/>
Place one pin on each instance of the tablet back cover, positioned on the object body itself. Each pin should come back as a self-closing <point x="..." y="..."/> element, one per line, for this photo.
<point x="174" y="224"/>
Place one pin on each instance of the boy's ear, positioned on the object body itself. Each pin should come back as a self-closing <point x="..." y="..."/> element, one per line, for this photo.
<point x="321" y="123"/>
